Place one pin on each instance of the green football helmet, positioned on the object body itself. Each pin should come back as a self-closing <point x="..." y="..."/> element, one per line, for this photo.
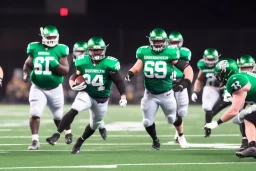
<point x="175" y="39"/>
<point x="211" y="57"/>
<point x="158" y="39"/>
<point x="246" y="63"/>
<point x="224" y="69"/>
<point x="79" y="48"/>
<point x="96" y="48"/>
<point x="50" y="36"/>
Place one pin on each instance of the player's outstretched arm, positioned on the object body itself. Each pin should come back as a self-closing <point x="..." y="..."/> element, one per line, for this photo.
<point x="27" y="67"/>
<point x="1" y="76"/>
<point x="238" y="99"/>
<point x="63" y="67"/>
<point x="137" y="68"/>
<point x="237" y="103"/>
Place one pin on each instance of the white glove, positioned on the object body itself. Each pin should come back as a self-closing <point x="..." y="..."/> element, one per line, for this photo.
<point x="194" y="97"/>
<point x="79" y="87"/>
<point x="123" y="102"/>
<point x="227" y="97"/>
<point x="211" y="125"/>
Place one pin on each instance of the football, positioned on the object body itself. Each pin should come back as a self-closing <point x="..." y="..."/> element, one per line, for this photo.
<point x="79" y="80"/>
<point x="73" y="77"/>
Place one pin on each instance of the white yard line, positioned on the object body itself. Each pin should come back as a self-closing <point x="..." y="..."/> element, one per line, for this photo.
<point x="129" y="164"/>
<point x="129" y="136"/>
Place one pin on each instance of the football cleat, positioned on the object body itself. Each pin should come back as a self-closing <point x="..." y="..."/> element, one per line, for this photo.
<point x="248" y="152"/>
<point x="156" y="145"/>
<point x="183" y="142"/>
<point x="103" y="133"/>
<point x="68" y="138"/>
<point x="34" y="146"/>
<point x="207" y="132"/>
<point x="53" y="139"/>
<point x="77" y="146"/>
<point x="244" y="145"/>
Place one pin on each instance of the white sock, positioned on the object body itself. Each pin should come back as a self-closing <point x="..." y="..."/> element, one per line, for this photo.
<point x="35" y="137"/>
<point x="67" y="131"/>
<point x="244" y="138"/>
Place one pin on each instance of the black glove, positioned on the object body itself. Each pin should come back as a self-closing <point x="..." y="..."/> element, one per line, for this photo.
<point x="1" y="82"/>
<point x="129" y="75"/>
<point x="182" y="84"/>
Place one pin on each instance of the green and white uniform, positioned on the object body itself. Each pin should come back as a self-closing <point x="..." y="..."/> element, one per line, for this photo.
<point x="211" y="92"/>
<point x="99" y="86"/>
<point x="158" y="83"/>
<point x="182" y="97"/>
<point x="46" y="83"/>
<point x="238" y="81"/>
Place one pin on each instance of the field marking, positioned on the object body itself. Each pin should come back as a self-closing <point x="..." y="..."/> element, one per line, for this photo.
<point x="63" y="167"/>
<point x="121" y="150"/>
<point x="129" y="136"/>
<point x="113" y="166"/>
<point x="5" y="130"/>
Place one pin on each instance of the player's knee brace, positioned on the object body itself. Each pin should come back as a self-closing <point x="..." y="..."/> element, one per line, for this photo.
<point x="146" y="123"/>
<point x="35" y="117"/>
<point x="171" y="119"/>
<point x="251" y="118"/>
<point x="178" y="121"/>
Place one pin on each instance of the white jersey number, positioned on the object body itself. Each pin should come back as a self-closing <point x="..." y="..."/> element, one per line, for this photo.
<point x="96" y="81"/>
<point x="155" y="69"/>
<point x="38" y="65"/>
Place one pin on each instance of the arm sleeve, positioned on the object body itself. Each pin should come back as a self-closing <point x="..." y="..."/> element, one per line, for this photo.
<point x="119" y="82"/>
<point x="181" y="65"/>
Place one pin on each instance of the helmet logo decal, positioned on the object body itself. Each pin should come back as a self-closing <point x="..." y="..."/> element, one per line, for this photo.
<point x="223" y="65"/>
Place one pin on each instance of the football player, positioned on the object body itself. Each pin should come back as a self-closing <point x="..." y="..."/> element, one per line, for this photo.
<point x="242" y="87"/>
<point x="156" y="61"/>
<point x="1" y="76"/>
<point x="99" y="71"/>
<point x="212" y="98"/>
<point x="80" y="49"/>
<point x="46" y="65"/>
<point x="176" y="40"/>
<point x="246" y="63"/>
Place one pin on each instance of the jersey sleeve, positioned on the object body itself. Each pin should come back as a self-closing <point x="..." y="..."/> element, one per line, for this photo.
<point x="185" y="54"/>
<point x="174" y="53"/>
<point x="200" y="64"/>
<point x="139" y="53"/>
<point x="236" y="82"/>
<point x="31" y="47"/>
<point x="113" y="64"/>
<point x="64" y="50"/>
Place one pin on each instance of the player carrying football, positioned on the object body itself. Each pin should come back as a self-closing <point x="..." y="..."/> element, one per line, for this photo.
<point x="176" y="40"/>
<point x="99" y="71"/>
<point x="46" y="65"/>
<point x="157" y="61"/>
<point x="242" y="87"/>
<point x="79" y="50"/>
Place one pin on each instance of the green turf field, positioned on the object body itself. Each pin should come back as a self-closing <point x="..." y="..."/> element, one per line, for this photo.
<point x="127" y="148"/>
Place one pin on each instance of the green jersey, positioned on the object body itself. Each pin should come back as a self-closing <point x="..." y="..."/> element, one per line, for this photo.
<point x="208" y="73"/>
<point x="97" y="78"/>
<point x="42" y="74"/>
<point x="238" y="81"/>
<point x="185" y="54"/>
<point x="157" y="68"/>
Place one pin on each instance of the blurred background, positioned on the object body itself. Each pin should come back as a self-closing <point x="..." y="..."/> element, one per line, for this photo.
<point x="124" y="25"/>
